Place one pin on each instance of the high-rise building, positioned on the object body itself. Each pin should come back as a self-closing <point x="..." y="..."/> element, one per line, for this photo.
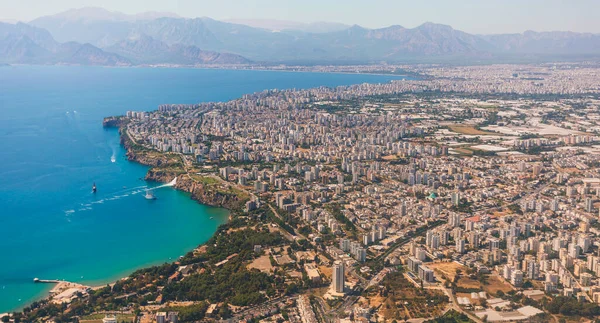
<point x="554" y="205"/>
<point x="345" y="245"/>
<point x="454" y="220"/>
<point x="413" y="264"/>
<point x="338" y="277"/>
<point x="420" y="254"/>
<point x="589" y="205"/>
<point x="161" y="317"/>
<point x="426" y="274"/>
<point x="361" y="254"/>
<point x="460" y="246"/>
<point x="403" y="208"/>
<point x="173" y="317"/>
<point x="474" y="239"/>
<point x="455" y="197"/>
<point x="517" y="278"/>
<point x="494" y="243"/>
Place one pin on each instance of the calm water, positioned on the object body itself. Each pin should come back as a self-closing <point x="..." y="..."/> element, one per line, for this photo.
<point x="53" y="147"/>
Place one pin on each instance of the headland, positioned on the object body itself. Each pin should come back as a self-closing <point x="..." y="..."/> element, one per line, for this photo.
<point x="165" y="166"/>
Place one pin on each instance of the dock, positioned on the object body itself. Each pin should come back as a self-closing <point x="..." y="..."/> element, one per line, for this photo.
<point x="47" y="281"/>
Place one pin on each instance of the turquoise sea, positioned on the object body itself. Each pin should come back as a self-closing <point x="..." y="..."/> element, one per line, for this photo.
<point x="53" y="148"/>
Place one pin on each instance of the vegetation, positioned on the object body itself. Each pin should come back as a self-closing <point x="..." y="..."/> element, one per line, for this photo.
<point x="569" y="306"/>
<point x="191" y="313"/>
<point x="232" y="282"/>
<point x="404" y="301"/>
<point x="242" y="242"/>
<point x="451" y="316"/>
<point x="335" y="210"/>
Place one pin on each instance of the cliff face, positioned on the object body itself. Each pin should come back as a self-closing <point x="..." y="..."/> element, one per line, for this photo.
<point x="113" y="122"/>
<point x="148" y="160"/>
<point x="198" y="191"/>
<point x="136" y="154"/>
<point x="162" y="171"/>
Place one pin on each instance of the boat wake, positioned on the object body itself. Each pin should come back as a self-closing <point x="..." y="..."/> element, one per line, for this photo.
<point x="88" y="206"/>
<point x="169" y="184"/>
<point x="113" y="157"/>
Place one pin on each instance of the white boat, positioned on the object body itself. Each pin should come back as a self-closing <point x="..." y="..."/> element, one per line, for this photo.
<point x="149" y="196"/>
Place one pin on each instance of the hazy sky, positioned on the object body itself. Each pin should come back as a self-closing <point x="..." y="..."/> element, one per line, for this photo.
<point x="474" y="16"/>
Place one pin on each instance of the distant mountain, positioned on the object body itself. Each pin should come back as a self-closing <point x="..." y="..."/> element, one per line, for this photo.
<point x="556" y="43"/>
<point x="97" y="26"/>
<point x="290" y="42"/>
<point x="91" y="14"/>
<point x="24" y="44"/>
<point x="144" y="49"/>
<point x="281" y="25"/>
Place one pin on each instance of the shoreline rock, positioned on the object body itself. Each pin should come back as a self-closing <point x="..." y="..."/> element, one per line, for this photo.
<point x="198" y="192"/>
<point x="113" y="122"/>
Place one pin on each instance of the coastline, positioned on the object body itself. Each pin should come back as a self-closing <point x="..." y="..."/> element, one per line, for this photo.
<point x="164" y="167"/>
<point x="198" y="192"/>
<point x="162" y="170"/>
<point x="253" y="68"/>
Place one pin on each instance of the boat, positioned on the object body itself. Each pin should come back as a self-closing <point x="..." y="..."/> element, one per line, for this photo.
<point x="211" y="218"/>
<point x="94" y="188"/>
<point x="149" y="196"/>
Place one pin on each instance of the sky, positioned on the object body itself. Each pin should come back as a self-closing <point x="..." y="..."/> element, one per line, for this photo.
<point x="473" y="16"/>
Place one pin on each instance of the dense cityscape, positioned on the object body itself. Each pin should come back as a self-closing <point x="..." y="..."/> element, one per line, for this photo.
<point x="468" y="194"/>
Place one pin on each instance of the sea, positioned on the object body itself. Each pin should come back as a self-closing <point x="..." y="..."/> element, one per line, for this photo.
<point x="53" y="148"/>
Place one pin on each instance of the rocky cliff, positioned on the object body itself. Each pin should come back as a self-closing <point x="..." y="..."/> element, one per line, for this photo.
<point x="113" y="122"/>
<point x="165" y="167"/>
<point x="144" y="156"/>
<point x="205" y="194"/>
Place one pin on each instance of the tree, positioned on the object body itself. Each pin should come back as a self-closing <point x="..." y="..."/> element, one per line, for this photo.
<point x="224" y="311"/>
<point x="484" y="303"/>
<point x="5" y="319"/>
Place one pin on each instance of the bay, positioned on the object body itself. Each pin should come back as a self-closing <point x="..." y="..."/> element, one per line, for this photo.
<point x="53" y="148"/>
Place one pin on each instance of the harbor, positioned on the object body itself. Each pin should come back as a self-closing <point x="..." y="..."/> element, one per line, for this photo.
<point x="64" y="292"/>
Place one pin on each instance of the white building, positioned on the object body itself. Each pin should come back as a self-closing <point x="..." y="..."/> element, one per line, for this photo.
<point x="338" y="277"/>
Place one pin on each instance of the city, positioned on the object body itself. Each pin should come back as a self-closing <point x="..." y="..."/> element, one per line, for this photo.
<point x="300" y="161"/>
<point x="472" y="192"/>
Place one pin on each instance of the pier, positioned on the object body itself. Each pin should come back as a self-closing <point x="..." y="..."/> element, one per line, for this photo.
<point x="47" y="281"/>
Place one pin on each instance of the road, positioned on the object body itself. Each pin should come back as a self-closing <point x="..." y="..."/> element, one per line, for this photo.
<point x="286" y="234"/>
<point x="454" y="305"/>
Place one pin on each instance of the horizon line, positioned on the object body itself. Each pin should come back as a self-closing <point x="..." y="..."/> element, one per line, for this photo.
<point x="231" y="20"/>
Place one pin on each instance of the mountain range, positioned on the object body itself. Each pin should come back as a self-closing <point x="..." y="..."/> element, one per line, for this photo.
<point x="100" y="37"/>
<point x="24" y="44"/>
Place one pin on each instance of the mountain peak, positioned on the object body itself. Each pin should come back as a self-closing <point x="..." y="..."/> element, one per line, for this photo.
<point x="279" y="25"/>
<point x="433" y="26"/>
<point x="96" y="14"/>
